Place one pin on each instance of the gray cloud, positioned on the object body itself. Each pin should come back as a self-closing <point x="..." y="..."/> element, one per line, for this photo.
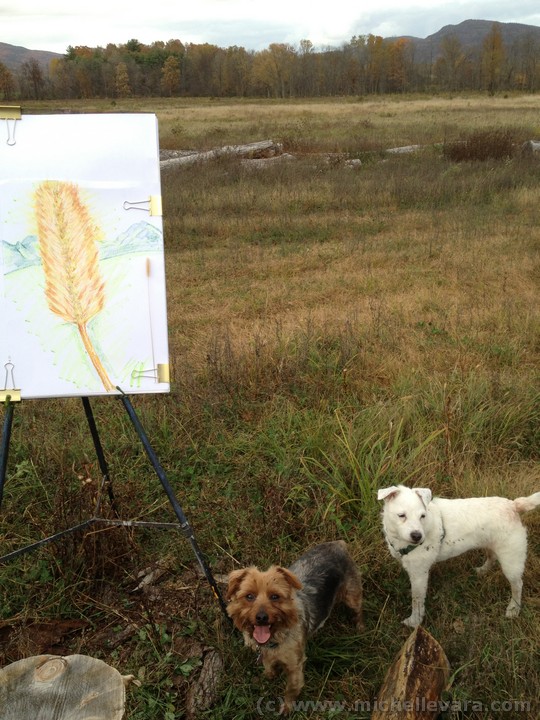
<point x="53" y="28"/>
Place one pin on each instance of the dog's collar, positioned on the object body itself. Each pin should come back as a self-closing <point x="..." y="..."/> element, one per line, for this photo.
<point x="406" y="550"/>
<point x="269" y="646"/>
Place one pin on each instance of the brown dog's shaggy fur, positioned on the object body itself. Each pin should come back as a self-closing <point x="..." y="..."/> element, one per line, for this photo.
<point x="278" y="609"/>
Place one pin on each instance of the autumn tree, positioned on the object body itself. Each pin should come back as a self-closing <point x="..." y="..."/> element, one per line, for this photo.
<point x="7" y="83"/>
<point x="32" y="80"/>
<point x="123" y="87"/>
<point x="525" y="59"/>
<point x="398" y="65"/>
<point x="305" y="69"/>
<point x="493" y="58"/>
<point x="273" y="69"/>
<point x="332" y="72"/>
<point x="200" y="69"/>
<point x="236" y="71"/>
<point x="377" y="64"/>
<point x="170" y="76"/>
<point x="61" y="78"/>
<point x="87" y="66"/>
<point x="450" y="64"/>
<point x="356" y="60"/>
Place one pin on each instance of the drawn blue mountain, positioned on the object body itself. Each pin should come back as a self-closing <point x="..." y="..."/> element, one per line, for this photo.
<point x="23" y="254"/>
<point x="139" y="237"/>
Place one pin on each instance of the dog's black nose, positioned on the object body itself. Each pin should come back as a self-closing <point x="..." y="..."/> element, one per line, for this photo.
<point x="416" y="536"/>
<point x="261" y="618"/>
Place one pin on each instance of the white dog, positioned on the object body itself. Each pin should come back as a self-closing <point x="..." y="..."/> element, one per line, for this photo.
<point x="421" y="531"/>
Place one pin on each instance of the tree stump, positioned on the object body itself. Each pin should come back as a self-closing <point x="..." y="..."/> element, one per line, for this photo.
<point x="49" y="687"/>
<point x="415" y="681"/>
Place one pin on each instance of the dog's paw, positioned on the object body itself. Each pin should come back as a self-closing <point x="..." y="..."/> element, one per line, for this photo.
<point x="411" y="622"/>
<point x="359" y="623"/>
<point x="513" y="609"/>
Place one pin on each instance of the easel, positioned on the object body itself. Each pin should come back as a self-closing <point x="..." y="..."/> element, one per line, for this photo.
<point x="76" y="302"/>
<point x="11" y="397"/>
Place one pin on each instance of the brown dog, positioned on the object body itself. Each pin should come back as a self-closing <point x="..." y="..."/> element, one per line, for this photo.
<point x="278" y="609"/>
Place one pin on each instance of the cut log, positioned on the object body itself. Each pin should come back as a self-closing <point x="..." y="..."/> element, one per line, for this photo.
<point x="50" y="687"/>
<point x="405" y="150"/>
<point x="262" y="149"/>
<point x="414" y="683"/>
<point x="204" y="692"/>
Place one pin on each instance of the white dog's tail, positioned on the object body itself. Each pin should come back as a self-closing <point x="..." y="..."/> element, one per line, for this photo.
<point x="524" y="504"/>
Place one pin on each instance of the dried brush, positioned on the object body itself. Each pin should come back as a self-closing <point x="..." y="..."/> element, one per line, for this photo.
<point x="74" y="288"/>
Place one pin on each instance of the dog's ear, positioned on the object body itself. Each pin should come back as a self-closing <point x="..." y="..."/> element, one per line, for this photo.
<point x="235" y="580"/>
<point x="290" y="577"/>
<point x="424" y="494"/>
<point x="387" y="493"/>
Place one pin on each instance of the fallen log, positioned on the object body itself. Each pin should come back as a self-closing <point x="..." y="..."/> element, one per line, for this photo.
<point x="415" y="681"/>
<point x="405" y="150"/>
<point x="252" y="163"/>
<point x="50" y="687"/>
<point x="262" y="149"/>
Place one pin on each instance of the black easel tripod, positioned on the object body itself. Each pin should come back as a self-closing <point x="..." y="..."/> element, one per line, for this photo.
<point x="183" y="522"/>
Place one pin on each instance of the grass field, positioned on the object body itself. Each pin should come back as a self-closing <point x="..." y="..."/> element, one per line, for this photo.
<point x="333" y="330"/>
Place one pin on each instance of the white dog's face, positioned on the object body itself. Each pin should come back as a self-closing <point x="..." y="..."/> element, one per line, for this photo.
<point x="405" y="512"/>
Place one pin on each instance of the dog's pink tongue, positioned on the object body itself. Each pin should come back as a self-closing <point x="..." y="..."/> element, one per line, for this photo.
<point x="261" y="633"/>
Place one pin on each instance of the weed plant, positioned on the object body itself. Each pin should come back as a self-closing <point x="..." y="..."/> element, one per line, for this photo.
<point x="333" y="329"/>
<point x="493" y="144"/>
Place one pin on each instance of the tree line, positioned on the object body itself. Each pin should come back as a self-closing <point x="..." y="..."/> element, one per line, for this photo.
<point x="367" y="64"/>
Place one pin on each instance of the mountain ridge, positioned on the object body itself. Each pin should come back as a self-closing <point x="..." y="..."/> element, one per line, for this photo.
<point x="13" y="56"/>
<point x="471" y="35"/>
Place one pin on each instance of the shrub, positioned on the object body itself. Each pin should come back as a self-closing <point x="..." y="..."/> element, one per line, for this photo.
<point x="495" y="144"/>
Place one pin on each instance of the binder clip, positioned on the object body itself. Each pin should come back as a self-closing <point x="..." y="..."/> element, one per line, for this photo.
<point x="160" y="373"/>
<point x="10" y="114"/>
<point x="153" y="204"/>
<point x="9" y="394"/>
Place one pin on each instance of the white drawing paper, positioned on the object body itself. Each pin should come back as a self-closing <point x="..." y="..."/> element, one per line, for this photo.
<point x="82" y="274"/>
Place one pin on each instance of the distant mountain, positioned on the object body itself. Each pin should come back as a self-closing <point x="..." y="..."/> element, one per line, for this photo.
<point x="471" y="35"/>
<point x="13" y="56"/>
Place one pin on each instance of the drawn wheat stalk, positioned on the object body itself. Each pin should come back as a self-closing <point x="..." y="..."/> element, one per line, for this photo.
<point x="67" y="235"/>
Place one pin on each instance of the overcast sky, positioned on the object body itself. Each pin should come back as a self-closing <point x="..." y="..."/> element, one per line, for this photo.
<point x="252" y="24"/>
